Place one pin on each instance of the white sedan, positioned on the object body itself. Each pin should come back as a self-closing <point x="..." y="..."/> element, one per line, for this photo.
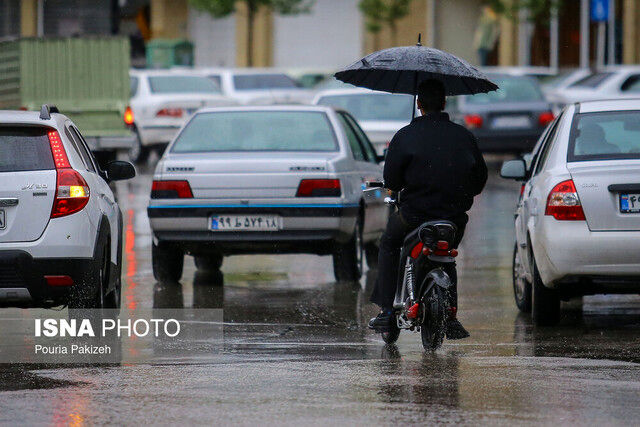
<point x="162" y="101"/>
<point x="262" y="86"/>
<point x="379" y="114"/>
<point x="614" y="82"/>
<point x="578" y="219"/>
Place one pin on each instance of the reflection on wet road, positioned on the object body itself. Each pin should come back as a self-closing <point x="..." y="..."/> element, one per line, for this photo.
<point x="296" y="348"/>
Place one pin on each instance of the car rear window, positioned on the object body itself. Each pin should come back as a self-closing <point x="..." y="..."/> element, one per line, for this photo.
<point x="592" y="81"/>
<point x="512" y="89"/>
<point x="24" y="149"/>
<point x="257" y="131"/>
<point x="605" y="136"/>
<point x="263" y="81"/>
<point x="373" y="106"/>
<point x="182" y="84"/>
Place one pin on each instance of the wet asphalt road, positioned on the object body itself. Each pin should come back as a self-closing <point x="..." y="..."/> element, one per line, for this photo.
<point x="296" y="348"/>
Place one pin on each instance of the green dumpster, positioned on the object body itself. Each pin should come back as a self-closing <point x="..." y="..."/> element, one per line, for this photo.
<point x="165" y="53"/>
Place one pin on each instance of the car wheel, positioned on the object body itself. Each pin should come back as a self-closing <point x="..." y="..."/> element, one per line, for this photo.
<point x="545" y="304"/>
<point x="521" y="287"/>
<point x="371" y="252"/>
<point x="167" y="261"/>
<point x="138" y="153"/>
<point x="208" y="262"/>
<point x="87" y="296"/>
<point x="348" y="257"/>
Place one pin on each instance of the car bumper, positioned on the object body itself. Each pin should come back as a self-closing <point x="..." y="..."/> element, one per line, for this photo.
<point x="305" y="229"/>
<point x="157" y="134"/>
<point x="568" y="253"/>
<point x="520" y="141"/>
<point x="23" y="283"/>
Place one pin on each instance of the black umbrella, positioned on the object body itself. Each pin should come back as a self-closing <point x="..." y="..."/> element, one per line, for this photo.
<point x="401" y="69"/>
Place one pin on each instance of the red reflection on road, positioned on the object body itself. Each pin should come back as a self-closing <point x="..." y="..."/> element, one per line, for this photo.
<point x="132" y="266"/>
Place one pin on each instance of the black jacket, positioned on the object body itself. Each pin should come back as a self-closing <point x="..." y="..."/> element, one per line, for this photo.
<point x="437" y="165"/>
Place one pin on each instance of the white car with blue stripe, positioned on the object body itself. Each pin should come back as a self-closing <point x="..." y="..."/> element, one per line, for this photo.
<point x="273" y="179"/>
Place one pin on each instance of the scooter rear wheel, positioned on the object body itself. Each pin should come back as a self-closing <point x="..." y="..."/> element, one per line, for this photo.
<point x="432" y="330"/>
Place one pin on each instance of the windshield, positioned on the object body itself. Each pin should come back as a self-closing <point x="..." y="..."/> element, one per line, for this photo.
<point x="24" y="149"/>
<point x="257" y="131"/>
<point x="182" y="84"/>
<point x="605" y="136"/>
<point x="373" y="106"/>
<point x="592" y="81"/>
<point x="263" y="81"/>
<point x="512" y="89"/>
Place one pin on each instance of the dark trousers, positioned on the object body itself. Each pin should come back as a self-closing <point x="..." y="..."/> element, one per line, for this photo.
<point x="391" y="242"/>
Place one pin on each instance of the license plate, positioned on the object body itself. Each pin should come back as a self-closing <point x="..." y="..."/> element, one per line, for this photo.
<point x="245" y="223"/>
<point x="3" y="223"/>
<point x="510" y="122"/>
<point x="630" y="203"/>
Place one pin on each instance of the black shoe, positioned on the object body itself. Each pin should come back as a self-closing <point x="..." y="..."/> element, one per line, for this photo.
<point x="382" y="322"/>
<point x="455" y="330"/>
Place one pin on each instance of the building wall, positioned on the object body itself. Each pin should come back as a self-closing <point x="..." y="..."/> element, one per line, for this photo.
<point x="456" y="23"/>
<point x="214" y="39"/>
<point x="328" y="37"/>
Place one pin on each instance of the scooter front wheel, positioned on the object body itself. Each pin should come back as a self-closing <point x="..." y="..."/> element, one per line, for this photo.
<point x="391" y="336"/>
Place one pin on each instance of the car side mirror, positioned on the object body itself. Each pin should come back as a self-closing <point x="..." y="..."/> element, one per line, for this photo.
<point x="514" y="169"/>
<point x="120" y="170"/>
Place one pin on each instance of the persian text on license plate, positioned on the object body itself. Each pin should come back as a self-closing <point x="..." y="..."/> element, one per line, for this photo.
<point x="630" y="203"/>
<point x="510" y="122"/>
<point x="245" y="223"/>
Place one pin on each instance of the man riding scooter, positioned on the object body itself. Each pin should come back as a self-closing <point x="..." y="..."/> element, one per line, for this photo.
<point x="437" y="168"/>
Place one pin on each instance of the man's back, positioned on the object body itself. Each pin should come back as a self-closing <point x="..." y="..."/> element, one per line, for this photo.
<point x="438" y="166"/>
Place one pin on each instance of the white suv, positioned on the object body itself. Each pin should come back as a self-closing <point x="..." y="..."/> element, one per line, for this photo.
<point x="60" y="226"/>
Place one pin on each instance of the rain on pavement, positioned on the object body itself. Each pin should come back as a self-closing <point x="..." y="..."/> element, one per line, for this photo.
<point x="297" y="350"/>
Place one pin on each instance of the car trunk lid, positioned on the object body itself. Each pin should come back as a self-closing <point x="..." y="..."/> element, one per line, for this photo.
<point x="27" y="183"/>
<point x="253" y="175"/>
<point x="600" y="185"/>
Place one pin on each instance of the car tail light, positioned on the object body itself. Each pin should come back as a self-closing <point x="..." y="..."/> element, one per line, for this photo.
<point x="72" y="191"/>
<point x="563" y="203"/>
<point x="59" y="280"/>
<point x="545" y="118"/>
<point x="319" y="188"/>
<point x="128" y="116"/>
<point x="473" y="121"/>
<point x="170" y="112"/>
<point x="171" y="190"/>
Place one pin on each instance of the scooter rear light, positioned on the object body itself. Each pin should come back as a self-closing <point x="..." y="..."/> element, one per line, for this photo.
<point x="442" y="245"/>
<point x="412" y="312"/>
<point x="415" y="252"/>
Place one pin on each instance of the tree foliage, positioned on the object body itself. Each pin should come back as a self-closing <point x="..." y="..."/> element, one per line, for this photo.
<point x="222" y="8"/>
<point x="381" y="13"/>
<point x="537" y="9"/>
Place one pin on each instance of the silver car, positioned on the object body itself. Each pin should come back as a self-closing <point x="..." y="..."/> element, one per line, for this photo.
<point x="578" y="219"/>
<point x="278" y="179"/>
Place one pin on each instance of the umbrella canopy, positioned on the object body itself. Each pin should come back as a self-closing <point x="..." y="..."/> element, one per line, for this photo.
<point x="401" y="69"/>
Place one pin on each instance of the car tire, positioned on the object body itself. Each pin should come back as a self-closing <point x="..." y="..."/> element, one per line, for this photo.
<point x="545" y="302"/>
<point x="521" y="286"/>
<point x="167" y="261"/>
<point x="348" y="257"/>
<point x="211" y="262"/>
<point x="371" y="252"/>
<point x="138" y="153"/>
<point x="84" y="296"/>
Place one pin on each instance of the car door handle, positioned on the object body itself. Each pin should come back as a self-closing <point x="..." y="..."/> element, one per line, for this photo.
<point x="8" y="202"/>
